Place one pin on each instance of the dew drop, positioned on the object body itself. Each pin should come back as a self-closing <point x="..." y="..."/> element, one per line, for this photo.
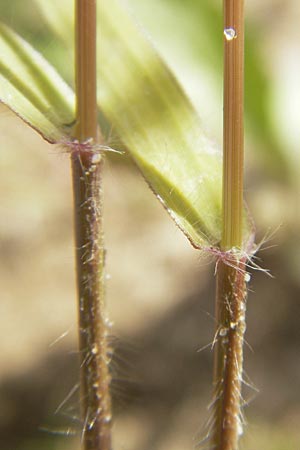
<point x="94" y="349"/>
<point x="247" y="277"/>
<point x="108" y="323"/>
<point x="96" y="158"/>
<point x="240" y="428"/>
<point x="223" y="332"/>
<point x="81" y="303"/>
<point x="230" y="34"/>
<point x="107" y="418"/>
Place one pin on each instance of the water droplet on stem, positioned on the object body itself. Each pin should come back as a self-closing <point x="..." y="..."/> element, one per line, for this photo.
<point x="247" y="277"/>
<point x="230" y="34"/>
<point x="223" y="332"/>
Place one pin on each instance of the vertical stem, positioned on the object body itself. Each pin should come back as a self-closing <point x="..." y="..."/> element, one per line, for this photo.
<point x="85" y="67"/>
<point x="228" y="364"/>
<point x="231" y="289"/>
<point x="87" y="166"/>
<point x="233" y="126"/>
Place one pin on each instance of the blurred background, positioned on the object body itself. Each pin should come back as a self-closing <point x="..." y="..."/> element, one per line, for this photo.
<point x="160" y="292"/>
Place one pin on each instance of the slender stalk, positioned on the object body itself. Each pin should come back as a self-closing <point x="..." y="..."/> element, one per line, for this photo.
<point x="231" y="288"/>
<point x="228" y="364"/>
<point x="233" y="126"/>
<point x="87" y="166"/>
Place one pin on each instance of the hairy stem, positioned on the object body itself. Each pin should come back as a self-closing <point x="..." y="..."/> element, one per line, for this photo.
<point x="228" y="364"/>
<point x="231" y="288"/>
<point x="87" y="167"/>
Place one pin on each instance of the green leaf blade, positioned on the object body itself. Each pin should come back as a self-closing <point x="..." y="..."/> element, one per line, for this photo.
<point x="32" y="88"/>
<point x="152" y="116"/>
<point x="160" y="128"/>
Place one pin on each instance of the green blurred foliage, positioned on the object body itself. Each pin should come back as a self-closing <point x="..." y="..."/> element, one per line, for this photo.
<point x="25" y="18"/>
<point x="199" y="25"/>
<point x="197" y="28"/>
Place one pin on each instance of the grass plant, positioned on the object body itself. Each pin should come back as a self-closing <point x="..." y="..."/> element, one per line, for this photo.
<point x="163" y="135"/>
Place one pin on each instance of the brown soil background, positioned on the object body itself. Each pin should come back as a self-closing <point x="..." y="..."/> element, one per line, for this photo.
<point x="160" y="298"/>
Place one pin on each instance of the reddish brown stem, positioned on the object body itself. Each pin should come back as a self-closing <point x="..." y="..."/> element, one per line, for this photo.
<point x="228" y="365"/>
<point x="95" y="378"/>
<point x="231" y="289"/>
<point x="85" y="69"/>
<point x="87" y="167"/>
